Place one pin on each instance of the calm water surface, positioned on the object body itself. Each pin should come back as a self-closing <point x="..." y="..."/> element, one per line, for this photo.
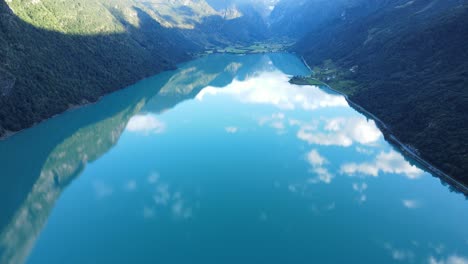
<point x="222" y="161"/>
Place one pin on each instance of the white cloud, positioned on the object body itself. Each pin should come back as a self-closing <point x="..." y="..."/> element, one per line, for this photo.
<point x="324" y="175"/>
<point x="438" y="248"/>
<point x="278" y="125"/>
<point x="276" y="121"/>
<point x="322" y="209"/>
<point x="394" y="162"/>
<point x="362" y="198"/>
<point x="162" y="195"/>
<point x="386" y="162"/>
<point x="330" y="207"/>
<point x="153" y="178"/>
<point x="292" y="188"/>
<point x="360" y="188"/>
<point x="278" y="116"/>
<point x="340" y="132"/>
<point x="364" y="168"/>
<point x="315" y="159"/>
<point x="334" y="124"/>
<point x="411" y="204"/>
<point x="172" y="201"/>
<point x="363" y="131"/>
<point x="273" y="88"/>
<point x="130" y="186"/>
<point x="399" y="254"/>
<point x="324" y="139"/>
<point x="454" y="259"/>
<point x="295" y="122"/>
<point x="145" y="124"/>
<point x="231" y="130"/>
<point x="179" y="210"/>
<point x="102" y="190"/>
<point x="364" y="151"/>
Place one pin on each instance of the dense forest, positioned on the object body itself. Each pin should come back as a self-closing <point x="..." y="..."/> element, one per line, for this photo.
<point x="411" y="72"/>
<point x="55" y="55"/>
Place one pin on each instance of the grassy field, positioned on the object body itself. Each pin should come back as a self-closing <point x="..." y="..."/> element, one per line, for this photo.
<point x="306" y="80"/>
<point x="257" y="47"/>
<point x="328" y="74"/>
<point x="338" y="78"/>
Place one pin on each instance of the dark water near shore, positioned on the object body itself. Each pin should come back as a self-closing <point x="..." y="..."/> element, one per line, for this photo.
<point x="221" y="161"/>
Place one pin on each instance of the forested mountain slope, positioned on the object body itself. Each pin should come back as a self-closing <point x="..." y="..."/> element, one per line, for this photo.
<point x="407" y="63"/>
<point x="58" y="54"/>
<point x="296" y="18"/>
<point x="44" y="72"/>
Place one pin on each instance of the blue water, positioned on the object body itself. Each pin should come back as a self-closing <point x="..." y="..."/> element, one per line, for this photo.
<point x="222" y="161"/>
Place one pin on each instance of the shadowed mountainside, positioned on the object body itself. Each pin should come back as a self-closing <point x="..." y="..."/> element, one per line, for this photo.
<point x="69" y="62"/>
<point x="296" y="18"/>
<point x="48" y="72"/>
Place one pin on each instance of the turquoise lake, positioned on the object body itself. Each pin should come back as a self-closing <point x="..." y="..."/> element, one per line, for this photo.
<point x="222" y="161"/>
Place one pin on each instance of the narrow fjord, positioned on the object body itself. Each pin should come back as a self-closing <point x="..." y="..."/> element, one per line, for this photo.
<point x="222" y="161"/>
<point x="233" y="131"/>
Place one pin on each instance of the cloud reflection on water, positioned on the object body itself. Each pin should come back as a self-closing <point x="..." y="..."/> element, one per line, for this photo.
<point x="273" y="88"/>
<point x="146" y="124"/>
<point x="102" y="189"/>
<point x="453" y="259"/>
<point x="231" y="129"/>
<point x="339" y="131"/>
<point x="317" y="162"/>
<point x="327" y="126"/>
<point x="411" y="204"/>
<point x="385" y="162"/>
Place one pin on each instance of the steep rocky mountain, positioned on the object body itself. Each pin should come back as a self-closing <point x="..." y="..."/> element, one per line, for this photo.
<point x="243" y="19"/>
<point x="407" y="63"/>
<point x="262" y="7"/>
<point x="295" y="20"/>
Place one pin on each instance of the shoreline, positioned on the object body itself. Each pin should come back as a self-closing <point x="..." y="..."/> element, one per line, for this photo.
<point x="389" y="136"/>
<point x="8" y="134"/>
